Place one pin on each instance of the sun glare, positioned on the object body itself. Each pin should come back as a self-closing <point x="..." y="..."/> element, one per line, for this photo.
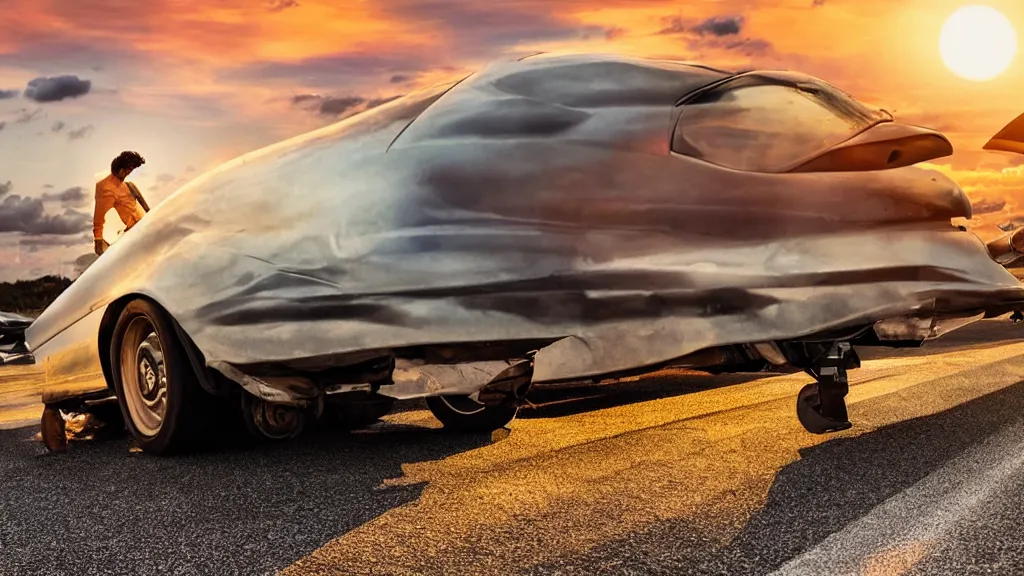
<point x="978" y="43"/>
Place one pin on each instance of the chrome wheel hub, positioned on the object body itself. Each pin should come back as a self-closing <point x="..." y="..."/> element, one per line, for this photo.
<point x="144" y="376"/>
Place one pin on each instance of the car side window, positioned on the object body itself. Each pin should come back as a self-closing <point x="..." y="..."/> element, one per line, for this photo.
<point x="762" y="127"/>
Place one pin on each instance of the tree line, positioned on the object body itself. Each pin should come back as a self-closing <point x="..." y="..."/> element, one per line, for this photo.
<point x="31" y="296"/>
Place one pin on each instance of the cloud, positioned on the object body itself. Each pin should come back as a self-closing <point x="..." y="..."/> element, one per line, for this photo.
<point x="328" y="105"/>
<point x="400" y="78"/>
<point x="28" y="216"/>
<point x="190" y="169"/>
<point x="83" y="262"/>
<point x="75" y="196"/>
<point x="281" y="5"/>
<point x="988" y="205"/>
<point x="338" y="105"/>
<point x="817" y="3"/>
<point x="715" y="26"/>
<point x="720" y="26"/>
<point x="24" y="115"/>
<point x="5" y="188"/>
<point x="47" y="186"/>
<point x="56" y="88"/>
<point x="57" y="126"/>
<point x="373" y="103"/>
<point x="8" y="94"/>
<point x="83" y="132"/>
<point x="2" y="126"/>
<point x="614" y="32"/>
<point x="45" y="240"/>
<point x="164" y="178"/>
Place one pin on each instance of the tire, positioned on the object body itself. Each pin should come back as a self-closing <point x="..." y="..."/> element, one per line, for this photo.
<point x="463" y="414"/>
<point x="166" y="411"/>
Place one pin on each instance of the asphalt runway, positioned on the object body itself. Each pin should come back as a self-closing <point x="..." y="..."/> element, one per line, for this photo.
<point x="676" y="473"/>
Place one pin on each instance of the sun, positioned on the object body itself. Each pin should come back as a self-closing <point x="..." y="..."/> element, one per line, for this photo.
<point x="978" y="43"/>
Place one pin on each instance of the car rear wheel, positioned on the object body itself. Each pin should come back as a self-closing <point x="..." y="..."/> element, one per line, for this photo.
<point x="463" y="414"/>
<point x="164" y="406"/>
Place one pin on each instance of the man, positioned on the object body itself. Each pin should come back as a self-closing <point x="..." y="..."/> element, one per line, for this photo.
<point x="114" y="192"/>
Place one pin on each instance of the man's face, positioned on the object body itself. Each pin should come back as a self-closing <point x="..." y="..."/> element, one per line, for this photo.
<point x="123" y="173"/>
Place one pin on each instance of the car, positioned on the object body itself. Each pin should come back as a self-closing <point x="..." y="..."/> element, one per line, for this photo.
<point x="551" y="218"/>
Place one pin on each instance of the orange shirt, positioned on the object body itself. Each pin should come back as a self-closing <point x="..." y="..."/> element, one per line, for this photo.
<point x="112" y="193"/>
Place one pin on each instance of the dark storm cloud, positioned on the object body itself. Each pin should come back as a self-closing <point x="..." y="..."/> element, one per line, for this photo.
<point x="82" y="132"/>
<point x="57" y="126"/>
<point x="28" y="216"/>
<point x="56" y="88"/>
<point x="400" y="78"/>
<point x="8" y="94"/>
<point x="5" y="188"/>
<point x="281" y="5"/>
<point x="75" y="196"/>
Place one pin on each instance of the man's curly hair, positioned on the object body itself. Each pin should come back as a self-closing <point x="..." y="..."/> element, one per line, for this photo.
<point x="126" y="160"/>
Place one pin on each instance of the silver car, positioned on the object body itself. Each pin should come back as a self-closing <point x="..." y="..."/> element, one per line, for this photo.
<point x="546" y="220"/>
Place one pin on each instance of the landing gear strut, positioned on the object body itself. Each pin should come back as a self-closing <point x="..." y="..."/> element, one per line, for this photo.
<point x="821" y="407"/>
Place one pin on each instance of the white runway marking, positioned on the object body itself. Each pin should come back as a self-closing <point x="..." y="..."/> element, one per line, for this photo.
<point x="897" y="533"/>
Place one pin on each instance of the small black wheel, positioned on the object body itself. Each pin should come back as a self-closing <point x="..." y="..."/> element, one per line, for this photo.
<point x="808" y="411"/>
<point x="163" y="404"/>
<point x="272" y="421"/>
<point x="463" y="414"/>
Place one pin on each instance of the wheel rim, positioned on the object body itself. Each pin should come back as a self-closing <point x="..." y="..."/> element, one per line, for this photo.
<point x="144" y="376"/>
<point x="463" y="405"/>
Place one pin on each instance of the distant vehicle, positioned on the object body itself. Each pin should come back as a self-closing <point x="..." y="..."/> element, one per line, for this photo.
<point x="549" y="219"/>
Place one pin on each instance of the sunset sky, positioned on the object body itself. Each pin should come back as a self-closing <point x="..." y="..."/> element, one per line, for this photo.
<point x="192" y="83"/>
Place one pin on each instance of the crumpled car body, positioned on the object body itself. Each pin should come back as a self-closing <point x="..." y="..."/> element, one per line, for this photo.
<point x="597" y="215"/>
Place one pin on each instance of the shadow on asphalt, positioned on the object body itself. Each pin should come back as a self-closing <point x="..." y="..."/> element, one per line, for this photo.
<point x="554" y="403"/>
<point x="837" y="482"/>
<point x="103" y="510"/>
<point x="831" y="485"/>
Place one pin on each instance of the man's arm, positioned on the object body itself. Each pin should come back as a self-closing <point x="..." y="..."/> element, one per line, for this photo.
<point x="104" y="202"/>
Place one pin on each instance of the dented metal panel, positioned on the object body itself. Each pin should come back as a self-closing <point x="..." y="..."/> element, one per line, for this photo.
<point x="537" y="199"/>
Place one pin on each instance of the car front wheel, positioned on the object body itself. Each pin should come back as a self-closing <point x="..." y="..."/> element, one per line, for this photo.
<point x="164" y="406"/>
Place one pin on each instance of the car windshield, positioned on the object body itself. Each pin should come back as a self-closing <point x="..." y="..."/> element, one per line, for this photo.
<point x="750" y="125"/>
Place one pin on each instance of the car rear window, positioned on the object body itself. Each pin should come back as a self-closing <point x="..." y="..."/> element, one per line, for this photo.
<point x="755" y="126"/>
